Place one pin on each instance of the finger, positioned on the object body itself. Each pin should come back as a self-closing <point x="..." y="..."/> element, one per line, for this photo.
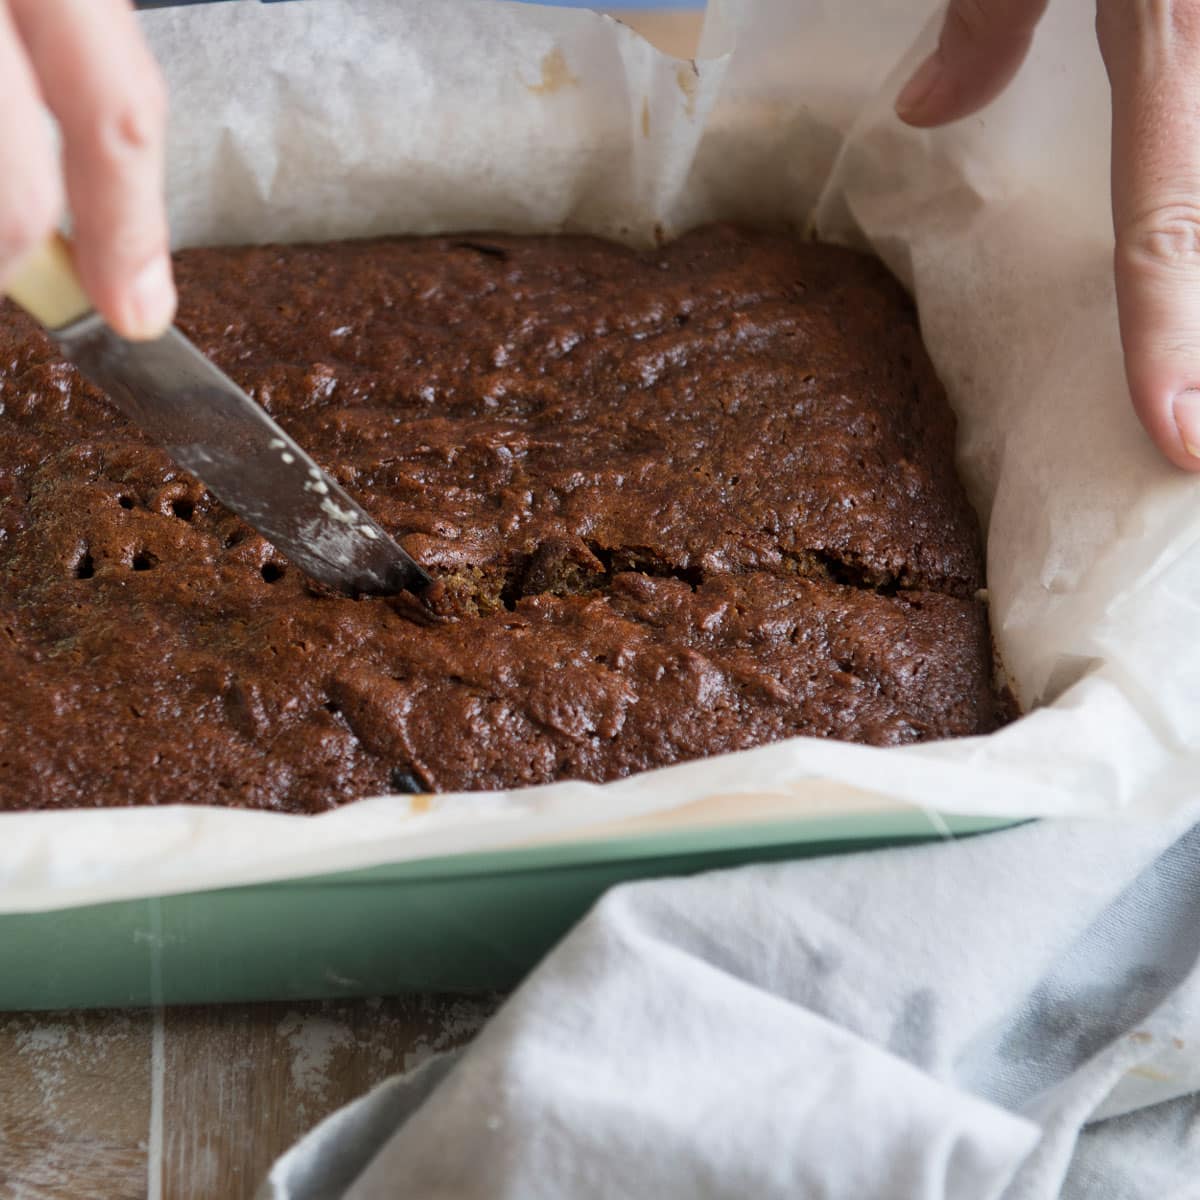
<point x="30" y="196"/>
<point x="981" y="47"/>
<point x="103" y="86"/>
<point x="1152" y="53"/>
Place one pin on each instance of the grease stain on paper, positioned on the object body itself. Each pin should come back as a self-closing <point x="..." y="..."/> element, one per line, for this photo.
<point x="556" y="75"/>
<point x="687" y="75"/>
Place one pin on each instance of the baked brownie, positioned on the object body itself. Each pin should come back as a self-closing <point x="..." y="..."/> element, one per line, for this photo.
<point x="677" y="502"/>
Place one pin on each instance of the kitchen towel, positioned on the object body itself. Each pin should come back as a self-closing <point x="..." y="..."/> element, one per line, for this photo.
<point x="1013" y="1016"/>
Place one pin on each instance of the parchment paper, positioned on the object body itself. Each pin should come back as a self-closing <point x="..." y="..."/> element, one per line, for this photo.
<point x="341" y="117"/>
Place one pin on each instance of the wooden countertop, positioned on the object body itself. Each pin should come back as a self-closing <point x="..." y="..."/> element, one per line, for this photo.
<point x="195" y="1103"/>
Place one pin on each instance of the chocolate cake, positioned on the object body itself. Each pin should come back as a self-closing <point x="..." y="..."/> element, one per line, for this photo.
<point x="677" y="502"/>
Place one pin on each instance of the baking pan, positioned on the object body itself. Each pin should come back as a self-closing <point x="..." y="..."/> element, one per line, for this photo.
<point x="469" y="921"/>
<point x="466" y="922"/>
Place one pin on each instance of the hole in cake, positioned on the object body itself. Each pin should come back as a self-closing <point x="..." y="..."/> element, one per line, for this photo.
<point x="85" y="568"/>
<point x="236" y="538"/>
<point x="485" y="248"/>
<point x="332" y="706"/>
<point x="853" y="574"/>
<point x="271" y="572"/>
<point x="125" y="501"/>
<point x="405" y="781"/>
<point x="513" y="589"/>
<point x="642" y="560"/>
<point x="682" y="318"/>
<point x="183" y="509"/>
<point x="143" y="560"/>
<point x="559" y="568"/>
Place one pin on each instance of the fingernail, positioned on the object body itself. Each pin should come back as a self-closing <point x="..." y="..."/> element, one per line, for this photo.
<point x="914" y="95"/>
<point x="151" y="301"/>
<point x="1187" y="420"/>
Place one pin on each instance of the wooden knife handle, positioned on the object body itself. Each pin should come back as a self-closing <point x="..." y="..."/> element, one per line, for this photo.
<point x="47" y="286"/>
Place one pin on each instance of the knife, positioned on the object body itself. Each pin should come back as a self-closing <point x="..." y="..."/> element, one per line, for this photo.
<point x="211" y="428"/>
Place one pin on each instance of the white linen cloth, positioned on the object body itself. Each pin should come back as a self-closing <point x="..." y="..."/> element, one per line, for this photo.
<point x="1015" y="1015"/>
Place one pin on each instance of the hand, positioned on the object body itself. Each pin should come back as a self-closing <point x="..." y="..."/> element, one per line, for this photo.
<point x="1151" y="49"/>
<point x="86" y="60"/>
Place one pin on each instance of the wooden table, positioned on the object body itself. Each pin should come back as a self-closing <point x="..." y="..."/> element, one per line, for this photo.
<point x="195" y="1104"/>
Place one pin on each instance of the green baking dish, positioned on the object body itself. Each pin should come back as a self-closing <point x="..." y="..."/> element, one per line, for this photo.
<point x="465" y="922"/>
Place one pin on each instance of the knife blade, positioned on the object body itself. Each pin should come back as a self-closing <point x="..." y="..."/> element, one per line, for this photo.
<point x="210" y="427"/>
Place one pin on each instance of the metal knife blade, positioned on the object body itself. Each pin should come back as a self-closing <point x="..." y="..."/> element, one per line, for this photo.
<point x="210" y="427"/>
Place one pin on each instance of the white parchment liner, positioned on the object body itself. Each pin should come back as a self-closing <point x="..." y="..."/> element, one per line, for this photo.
<point x="328" y="119"/>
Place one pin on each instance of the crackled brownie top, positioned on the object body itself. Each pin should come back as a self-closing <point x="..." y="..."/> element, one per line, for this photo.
<point x="678" y="502"/>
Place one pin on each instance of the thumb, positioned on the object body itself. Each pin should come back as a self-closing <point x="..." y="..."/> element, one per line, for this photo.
<point x="1152" y="52"/>
<point x="981" y="46"/>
